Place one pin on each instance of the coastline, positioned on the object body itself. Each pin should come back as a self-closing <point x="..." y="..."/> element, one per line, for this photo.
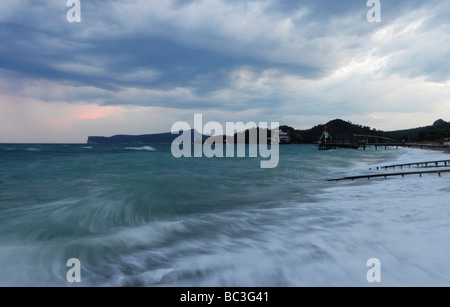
<point x="445" y="149"/>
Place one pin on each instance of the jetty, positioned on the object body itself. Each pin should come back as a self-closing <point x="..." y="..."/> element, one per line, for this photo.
<point x="326" y="141"/>
<point x="386" y="175"/>
<point x="426" y="164"/>
<point x="371" y="141"/>
<point x="441" y="163"/>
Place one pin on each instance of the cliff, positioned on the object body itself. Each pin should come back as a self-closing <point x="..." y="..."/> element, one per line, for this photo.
<point x="159" y="138"/>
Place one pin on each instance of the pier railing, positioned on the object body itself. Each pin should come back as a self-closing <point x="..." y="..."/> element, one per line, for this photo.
<point x="426" y="164"/>
<point x="441" y="163"/>
<point x="385" y="145"/>
<point x="386" y="175"/>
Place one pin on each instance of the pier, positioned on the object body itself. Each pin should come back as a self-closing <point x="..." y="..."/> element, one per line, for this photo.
<point x="426" y="164"/>
<point x="352" y="145"/>
<point x="442" y="163"/>
<point x="363" y="146"/>
<point x="385" y="175"/>
<point x="371" y="141"/>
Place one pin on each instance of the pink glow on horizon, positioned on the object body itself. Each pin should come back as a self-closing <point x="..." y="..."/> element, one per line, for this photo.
<point x="64" y="116"/>
<point x="95" y="112"/>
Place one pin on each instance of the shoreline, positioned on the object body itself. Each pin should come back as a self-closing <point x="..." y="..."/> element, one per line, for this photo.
<point x="440" y="149"/>
<point x="443" y="150"/>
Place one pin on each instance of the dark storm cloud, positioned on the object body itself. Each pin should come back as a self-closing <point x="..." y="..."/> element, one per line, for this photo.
<point x="197" y="46"/>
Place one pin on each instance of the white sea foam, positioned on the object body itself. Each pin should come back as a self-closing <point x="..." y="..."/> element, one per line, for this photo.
<point x="322" y="238"/>
<point x="144" y="148"/>
<point x="404" y="222"/>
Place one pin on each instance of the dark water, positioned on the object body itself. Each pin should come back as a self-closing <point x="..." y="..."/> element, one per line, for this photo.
<point x="138" y="216"/>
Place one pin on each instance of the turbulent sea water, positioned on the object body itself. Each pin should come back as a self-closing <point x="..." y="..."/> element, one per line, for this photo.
<point x="136" y="216"/>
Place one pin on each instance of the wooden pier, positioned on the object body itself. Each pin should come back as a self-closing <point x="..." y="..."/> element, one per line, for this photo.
<point x="385" y="175"/>
<point x="326" y="146"/>
<point x="441" y="163"/>
<point x="372" y="141"/>
<point x="363" y="146"/>
<point x="362" y="141"/>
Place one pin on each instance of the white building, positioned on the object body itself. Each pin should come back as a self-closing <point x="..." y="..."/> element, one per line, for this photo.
<point x="284" y="137"/>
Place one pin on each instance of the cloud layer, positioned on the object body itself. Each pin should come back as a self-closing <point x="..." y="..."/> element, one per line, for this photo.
<point x="296" y="62"/>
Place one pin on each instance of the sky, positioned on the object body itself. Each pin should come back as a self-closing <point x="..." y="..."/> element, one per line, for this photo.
<point x="137" y="67"/>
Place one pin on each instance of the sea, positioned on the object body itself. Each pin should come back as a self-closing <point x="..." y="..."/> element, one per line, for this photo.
<point x="137" y="216"/>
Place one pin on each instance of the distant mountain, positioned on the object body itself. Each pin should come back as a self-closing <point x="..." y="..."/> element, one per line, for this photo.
<point x="439" y="123"/>
<point x="159" y="138"/>
<point x="340" y="130"/>
<point x="438" y="131"/>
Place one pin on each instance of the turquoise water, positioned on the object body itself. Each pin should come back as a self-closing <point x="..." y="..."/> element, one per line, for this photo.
<point x="138" y="216"/>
